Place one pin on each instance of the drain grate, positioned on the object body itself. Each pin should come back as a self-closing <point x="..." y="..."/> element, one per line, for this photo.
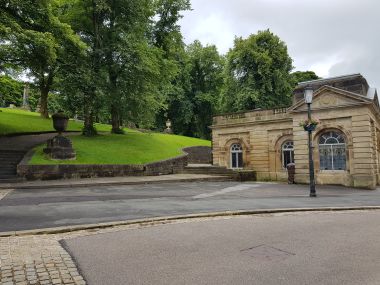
<point x="267" y="253"/>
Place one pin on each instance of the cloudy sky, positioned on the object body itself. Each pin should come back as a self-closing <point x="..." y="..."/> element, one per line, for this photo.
<point x="330" y="37"/>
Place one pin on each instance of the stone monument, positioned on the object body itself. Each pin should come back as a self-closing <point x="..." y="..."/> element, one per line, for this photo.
<point x="60" y="147"/>
<point x="25" y="98"/>
<point x="168" y="129"/>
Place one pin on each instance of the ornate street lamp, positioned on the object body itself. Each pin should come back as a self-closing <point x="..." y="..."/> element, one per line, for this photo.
<point x="308" y="93"/>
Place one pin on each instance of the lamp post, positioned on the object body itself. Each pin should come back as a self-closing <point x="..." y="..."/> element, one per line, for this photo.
<point x="308" y="100"/>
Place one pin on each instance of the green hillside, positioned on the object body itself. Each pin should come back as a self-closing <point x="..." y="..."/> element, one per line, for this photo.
<point x="132" y="148"/>
<point x="14" y="121"/>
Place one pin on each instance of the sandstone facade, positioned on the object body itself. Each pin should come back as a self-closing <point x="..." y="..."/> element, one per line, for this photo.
<point x="346" y="144"/>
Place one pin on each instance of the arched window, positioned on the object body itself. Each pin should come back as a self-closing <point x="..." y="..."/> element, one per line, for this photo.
<point x="332" y="151"/>
<point x="236" y="156"/>
<point x="287" y="152"/>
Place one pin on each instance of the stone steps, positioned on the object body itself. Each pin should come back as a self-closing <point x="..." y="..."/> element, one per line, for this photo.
<point x="238" y="175"/>
<point x="208" y="169"/>
<point x="11" y="179"/>
<point x="8" y="165"/>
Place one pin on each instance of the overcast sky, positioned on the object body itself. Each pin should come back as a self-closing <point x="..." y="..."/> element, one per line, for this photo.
<point x="330" y="37"/>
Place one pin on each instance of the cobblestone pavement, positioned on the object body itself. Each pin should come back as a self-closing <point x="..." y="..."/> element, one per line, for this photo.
<point x="39" y="260"/>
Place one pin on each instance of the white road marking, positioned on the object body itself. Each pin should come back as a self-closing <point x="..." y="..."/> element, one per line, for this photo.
<point x="5" y="192"/>
<point x="226" y="190"/>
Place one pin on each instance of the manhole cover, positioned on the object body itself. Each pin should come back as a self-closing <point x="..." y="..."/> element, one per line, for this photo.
<point x="267" y="253"/>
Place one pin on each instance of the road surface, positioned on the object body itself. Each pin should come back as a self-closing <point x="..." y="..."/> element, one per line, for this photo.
<point x="32" y="209"/>
<point x="305" y="248"/>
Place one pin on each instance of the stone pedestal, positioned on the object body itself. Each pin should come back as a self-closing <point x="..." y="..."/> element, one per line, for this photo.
<point x="59" y="148"/>
<point x="168" y="131"/>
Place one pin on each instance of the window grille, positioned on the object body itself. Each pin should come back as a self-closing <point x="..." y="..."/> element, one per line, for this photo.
<point x="287" y="151"/>
<point x="332" y="151"/>
<point x="236" y="156"/>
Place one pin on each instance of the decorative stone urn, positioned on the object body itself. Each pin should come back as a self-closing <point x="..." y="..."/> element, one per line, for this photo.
<point x="60" y="121"/>
<point x="60" y="147"/>
<point x="168" y="129"/>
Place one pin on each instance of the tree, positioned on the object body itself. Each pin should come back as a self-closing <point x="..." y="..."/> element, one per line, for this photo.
<point x="166" y="31"/>
<point x="31" y="36"/>
<point x="257" y="73"/>
<point x="10" y="91"/>
<point x="194" y="110"/>
<point x="132" y="65"/>
<point x="301" y="76"/>
<point x="167" y="36"/>
<point x="123" y="66"/>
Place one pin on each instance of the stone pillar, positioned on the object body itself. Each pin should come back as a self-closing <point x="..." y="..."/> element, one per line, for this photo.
<point x="363" y="172"/>
<point x="259" y="155"/>
<point x="273" y="164"/>
<point x="25" y="98"/>
<point x="301" y="153"/>
<point x="374" y="150"/>
<point x="215" y="148"/>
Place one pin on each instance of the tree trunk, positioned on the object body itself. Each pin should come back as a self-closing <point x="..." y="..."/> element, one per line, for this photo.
<point x="90" y="95"/>
<point x="115" y="99"/>
<point x="44" y="113"/>
<point x="45" y="83"/>
<point x="115" y="119"/>
<point x="88" y="126"/>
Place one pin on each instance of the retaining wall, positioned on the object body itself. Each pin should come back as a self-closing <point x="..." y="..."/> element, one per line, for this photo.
<point x="199" y="154"/>
<point x="62" y="171"/>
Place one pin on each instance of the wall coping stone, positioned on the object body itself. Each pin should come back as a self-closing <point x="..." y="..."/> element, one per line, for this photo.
<point x="66" y="171"/>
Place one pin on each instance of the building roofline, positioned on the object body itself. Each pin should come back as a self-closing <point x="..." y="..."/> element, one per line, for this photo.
<point x="250" y="111"/>
<point x="329" y="79"/>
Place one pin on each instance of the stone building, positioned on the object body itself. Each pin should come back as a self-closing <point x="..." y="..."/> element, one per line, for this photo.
<point x="346" y="142"/>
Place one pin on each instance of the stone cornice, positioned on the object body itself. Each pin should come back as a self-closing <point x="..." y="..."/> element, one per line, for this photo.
<point x="359" y="98"/>
<point x="249" y="123"/>
<point x="350" y="105"/>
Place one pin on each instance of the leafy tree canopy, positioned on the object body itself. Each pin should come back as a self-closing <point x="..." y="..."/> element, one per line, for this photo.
<point x="301" y="76"/>
<point x="257" y="73"/>
<point x="32" y="37"/>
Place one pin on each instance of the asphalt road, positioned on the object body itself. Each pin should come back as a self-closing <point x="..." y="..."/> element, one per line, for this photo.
<point x="32" y="209"/>
<point x="308" y="248"/>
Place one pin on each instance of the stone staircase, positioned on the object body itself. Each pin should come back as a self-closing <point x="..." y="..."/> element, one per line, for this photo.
<point x="237" y="175"/>
<point x="8" y="165"/>
<point x="208" y="169"/>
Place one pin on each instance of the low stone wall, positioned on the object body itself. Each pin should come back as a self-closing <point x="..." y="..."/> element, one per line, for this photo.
<point x="199" y="154"/>
<point x="63" y="171"/>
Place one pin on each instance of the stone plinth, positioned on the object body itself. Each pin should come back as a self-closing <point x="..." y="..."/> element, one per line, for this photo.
<point x="60" y="147"/>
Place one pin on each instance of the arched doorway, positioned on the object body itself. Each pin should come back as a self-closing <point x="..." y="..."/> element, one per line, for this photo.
<point x="287" y="151"/>
<point x="236" y="156"/>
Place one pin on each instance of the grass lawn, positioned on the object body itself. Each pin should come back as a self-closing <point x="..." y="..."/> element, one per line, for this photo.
<point x="131" y="148"/>
<point x="14" y="121"/>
